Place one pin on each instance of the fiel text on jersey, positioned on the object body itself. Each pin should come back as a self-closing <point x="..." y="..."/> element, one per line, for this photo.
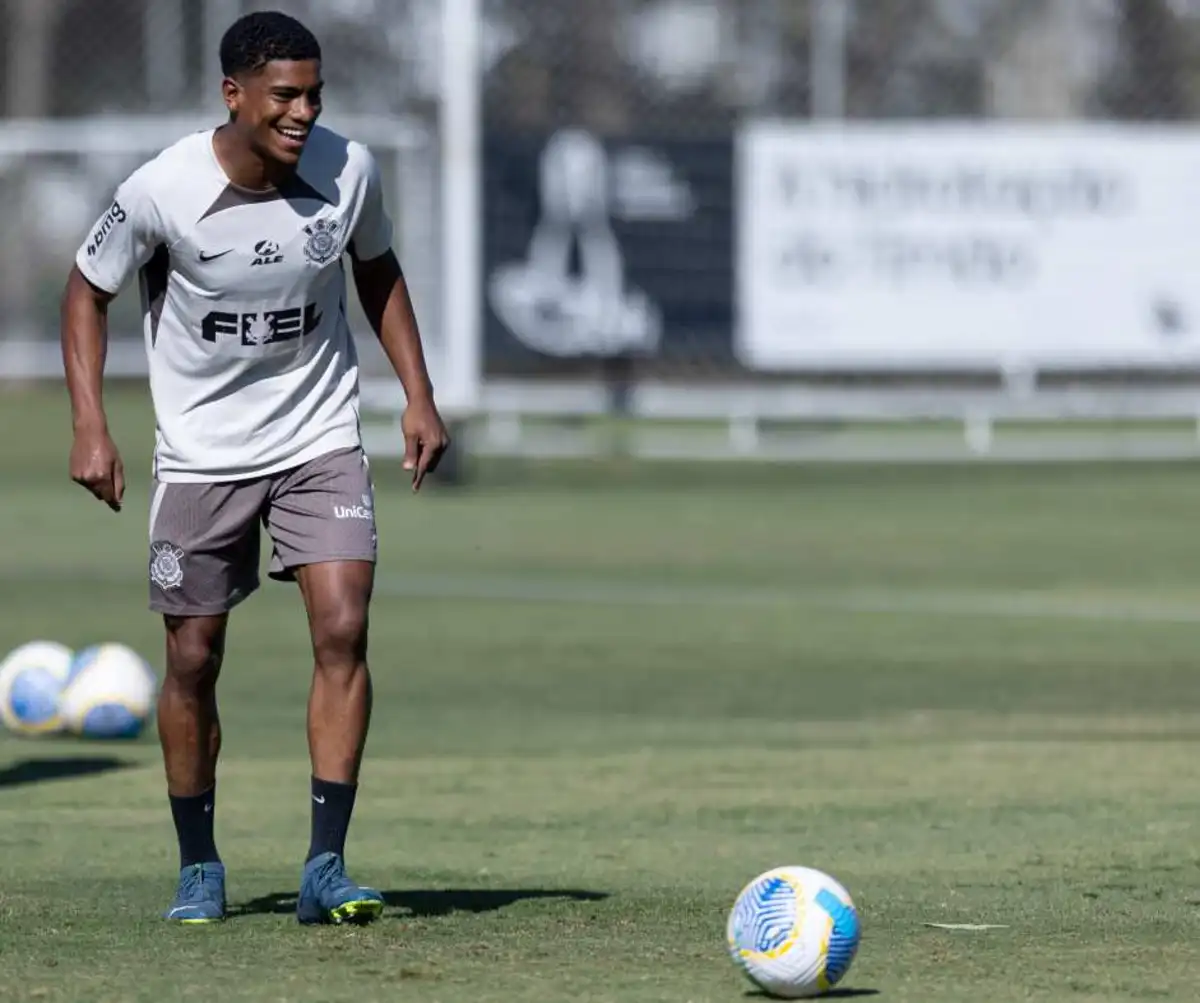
<point x="266" y="327"/>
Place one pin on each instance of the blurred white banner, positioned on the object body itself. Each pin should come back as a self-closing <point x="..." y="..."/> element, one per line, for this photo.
<point x="999" y="245"/>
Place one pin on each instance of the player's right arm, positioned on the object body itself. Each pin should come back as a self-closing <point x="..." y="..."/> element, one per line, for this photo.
<point x="95" y="461"/>
<point x="122" y="240"/>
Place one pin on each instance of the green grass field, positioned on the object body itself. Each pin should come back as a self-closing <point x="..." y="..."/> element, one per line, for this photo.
<point x="607" y="696"/>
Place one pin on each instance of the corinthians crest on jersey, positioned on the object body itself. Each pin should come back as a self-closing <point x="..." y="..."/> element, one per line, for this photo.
<point x="323" y="244"/>
<point x="165" y="570"/>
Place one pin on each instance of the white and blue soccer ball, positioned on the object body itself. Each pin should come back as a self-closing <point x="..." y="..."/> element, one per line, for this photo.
<point x="110" y="693"/>
<point x="31" y="681"/>
<point x="794" y="932"/>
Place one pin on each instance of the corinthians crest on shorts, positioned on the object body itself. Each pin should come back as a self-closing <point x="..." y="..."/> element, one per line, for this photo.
<point x="165" y="569"/>
<point x="322" y="245"/>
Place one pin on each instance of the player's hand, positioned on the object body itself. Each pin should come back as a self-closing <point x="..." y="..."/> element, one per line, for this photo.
<point x="425" y="439"/>
<point x="96" y="464"/>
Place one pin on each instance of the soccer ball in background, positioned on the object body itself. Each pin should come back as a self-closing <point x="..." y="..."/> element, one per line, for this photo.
<point x="794" y="931"/>
<point x="110" y="693"/>
<point x="31" y="680"/>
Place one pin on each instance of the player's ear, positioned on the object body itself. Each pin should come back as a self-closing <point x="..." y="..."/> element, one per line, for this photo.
<point x="232" y="93"/>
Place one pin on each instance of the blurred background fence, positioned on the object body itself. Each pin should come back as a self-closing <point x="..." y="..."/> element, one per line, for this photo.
<point x="769" y="220"/>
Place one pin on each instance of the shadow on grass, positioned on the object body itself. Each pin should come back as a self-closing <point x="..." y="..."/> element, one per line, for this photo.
<point x="36" y="771"/>
<point x="833" y="994"/>
<point x="429" y="902"/>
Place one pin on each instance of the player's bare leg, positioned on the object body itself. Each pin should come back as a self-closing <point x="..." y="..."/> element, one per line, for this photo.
<point x="337" y="595"/>
<point x="189" y="727"/>
<point x="189" y="731"/>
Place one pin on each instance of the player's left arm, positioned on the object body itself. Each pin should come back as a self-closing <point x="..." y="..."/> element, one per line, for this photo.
<point x="385" y="299"/>
<point x="386" y="302"/>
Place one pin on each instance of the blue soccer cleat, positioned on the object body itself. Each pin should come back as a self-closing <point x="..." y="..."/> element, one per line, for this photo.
<point x="201" y="895"/>
<point x="327" y="895"/>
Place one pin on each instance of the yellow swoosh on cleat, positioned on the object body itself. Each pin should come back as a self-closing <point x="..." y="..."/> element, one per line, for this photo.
<point x="361" y="908"/>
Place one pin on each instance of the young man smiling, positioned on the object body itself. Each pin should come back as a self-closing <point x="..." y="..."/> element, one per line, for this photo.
<point x="238" y="235"/>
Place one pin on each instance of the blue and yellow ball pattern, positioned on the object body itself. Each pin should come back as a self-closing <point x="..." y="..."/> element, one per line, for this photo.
<point x="109" y="693"/>
<point x="794" y="932"/>
<point x="32" y="678"/>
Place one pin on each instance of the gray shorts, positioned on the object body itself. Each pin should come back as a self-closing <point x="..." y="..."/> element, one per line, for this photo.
<point x="205" y="537"/>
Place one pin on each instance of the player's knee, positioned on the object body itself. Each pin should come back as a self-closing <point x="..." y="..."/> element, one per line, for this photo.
<point x="193" y="658"/>
<point x="194" y="666"/>
<point x="340" y="637"/>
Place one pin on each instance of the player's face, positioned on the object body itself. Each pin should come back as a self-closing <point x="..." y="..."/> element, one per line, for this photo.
<point x="275" y="109"/>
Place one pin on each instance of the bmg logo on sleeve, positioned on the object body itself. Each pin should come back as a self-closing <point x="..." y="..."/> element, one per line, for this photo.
<point x="261" y="327"/>
<point x="116" y="214"/>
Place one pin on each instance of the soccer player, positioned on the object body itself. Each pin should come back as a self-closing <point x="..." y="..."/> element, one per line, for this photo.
<point x="238" y="235"/>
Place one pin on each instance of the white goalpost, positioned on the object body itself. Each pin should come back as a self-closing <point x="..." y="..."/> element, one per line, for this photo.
<point x="461" y="278"/>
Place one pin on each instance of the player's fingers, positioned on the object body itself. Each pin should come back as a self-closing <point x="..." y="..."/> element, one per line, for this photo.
<point x="436" y="452"/>
<point x="412" y="447"/>
<point x="432" y="451"/>
<point x="102" y="487"/>
<point x="422" y="466"/>
<point x="106" y="490"/>
<point x="118" y="483"/>
<point x="94" y="480"/>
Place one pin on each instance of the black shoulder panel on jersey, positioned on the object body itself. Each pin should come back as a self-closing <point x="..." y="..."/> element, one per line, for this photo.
<point x="154" y="276"/>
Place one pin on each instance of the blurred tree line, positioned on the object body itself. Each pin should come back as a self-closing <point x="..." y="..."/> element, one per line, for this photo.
<point x="1122" y="59"/>
<point x="642" y="64"/>
<point x="621" y="67"/>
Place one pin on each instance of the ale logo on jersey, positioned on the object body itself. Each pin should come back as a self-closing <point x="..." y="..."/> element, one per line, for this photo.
<point x="266" y="252"/>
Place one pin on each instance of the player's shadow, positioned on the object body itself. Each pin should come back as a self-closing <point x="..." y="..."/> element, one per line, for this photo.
<point x="833" y="994"/>
<point x="36" y="771"/>
<point x="430" y="902"/>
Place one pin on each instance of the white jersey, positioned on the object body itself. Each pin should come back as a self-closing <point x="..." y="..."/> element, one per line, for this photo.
<point x="252" y="365"/>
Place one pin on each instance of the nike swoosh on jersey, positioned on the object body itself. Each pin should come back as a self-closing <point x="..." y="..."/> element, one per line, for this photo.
<point x="213" y="257"/>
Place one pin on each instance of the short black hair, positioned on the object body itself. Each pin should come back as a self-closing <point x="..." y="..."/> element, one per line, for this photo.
<point x="256" y="39"/>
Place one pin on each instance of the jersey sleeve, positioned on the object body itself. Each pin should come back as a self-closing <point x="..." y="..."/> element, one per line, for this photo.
<point x="123" y="239"/>
<point x="372" y="235"/>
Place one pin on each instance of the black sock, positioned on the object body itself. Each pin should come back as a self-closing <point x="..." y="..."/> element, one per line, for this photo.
<point x="194" y="827"/>
<point x="332" y="804"/>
